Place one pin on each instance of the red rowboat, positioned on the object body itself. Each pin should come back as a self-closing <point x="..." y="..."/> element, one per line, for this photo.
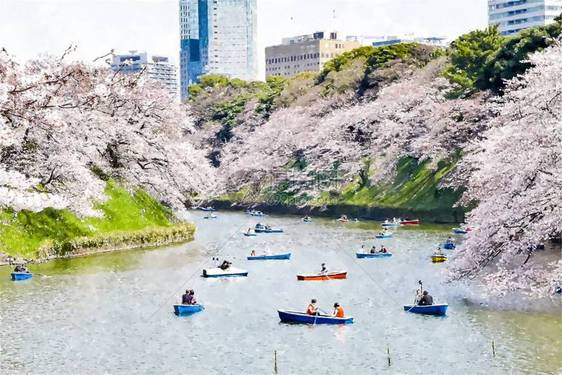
<point x="410" y="222"/>
<point x="328" y="276"/>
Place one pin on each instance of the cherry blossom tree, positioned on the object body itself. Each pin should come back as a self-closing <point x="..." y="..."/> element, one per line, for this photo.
<point x="514" y="178"/>
<point x="65" y="127"/>
<point x="411" y="117"/>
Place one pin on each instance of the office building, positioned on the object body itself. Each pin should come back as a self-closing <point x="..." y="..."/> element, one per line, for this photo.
<point x="157" y="68"/>
<point x="513" y="16"/>
<point x="304" y="53"/>
<point x="217" y="37"/>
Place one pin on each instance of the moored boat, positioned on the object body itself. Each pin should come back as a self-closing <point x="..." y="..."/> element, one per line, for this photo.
<point x="256" y="213"/>
<point x="438" y="258"/>
<point x="438" y="310"/>
<point x="322" y="277"/>
<point x="410" y="222"/>
<point x="460" y="231"/>
<point x="287" y="316"/>
<point x="18" y="276"/>
<point x="383" y="235"/>
<point x="373" y="255"/>
<point x="270" y="257"/>
<point x="208" y="209"/>
<point x="183" y="310"/>
<point x="230" y="272"/>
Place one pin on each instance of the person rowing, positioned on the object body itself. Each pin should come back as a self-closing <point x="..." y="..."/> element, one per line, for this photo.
<point x="312" y="309"/>
<point x="438" y="251"/>
<point x="225" y="265"/>
<point x="426" y="299"/>
<point x="253" y="253"/>
<point x="373" y="249"/>
<point x="383" y="250"/>
<point x="324" y="269"/>
<point x="338" y="311"/>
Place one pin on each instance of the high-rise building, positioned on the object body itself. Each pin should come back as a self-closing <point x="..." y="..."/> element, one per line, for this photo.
<point x="305" y="53"/>
<point x="158" y="68"/>
<point x="217" y="37"/>
<point x="513" y="16"/>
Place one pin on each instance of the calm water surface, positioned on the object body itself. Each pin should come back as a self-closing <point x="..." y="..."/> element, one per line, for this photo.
<point x="112" y="313"/>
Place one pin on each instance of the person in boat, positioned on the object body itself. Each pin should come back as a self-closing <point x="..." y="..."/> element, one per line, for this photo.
<point x="21" y="268"/>
<point x="225" y="265"/>
<point x="307" y="219"/>
<point x="338" y="311"/>
<point x="438" y="251"/>
<point x="312" y="309"/>
<point x="267" y="227"/>
<point x="426" y="299"/>
<point x="249" y="231"/>
<point x="373" y="249"/>
<point x="191" y="298"/>
<point x="324" y="269"/>
<point x="253" y="253"/>
<point x="259" y="226"/>
<point x="185" y="298"/>
<point x="383" y="250"/>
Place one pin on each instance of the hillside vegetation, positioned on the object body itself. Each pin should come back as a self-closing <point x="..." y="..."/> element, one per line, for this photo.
<point x="130" y="219"/>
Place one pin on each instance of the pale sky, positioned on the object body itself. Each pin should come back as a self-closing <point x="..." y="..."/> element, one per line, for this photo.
<point x="31" y="27"/>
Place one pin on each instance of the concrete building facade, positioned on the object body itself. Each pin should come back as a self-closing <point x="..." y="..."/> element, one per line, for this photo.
<point x="158" y="68"/>
<point x="217" y="37"/>
<point x="513" y="16"/>
<point x="304" y="53"/>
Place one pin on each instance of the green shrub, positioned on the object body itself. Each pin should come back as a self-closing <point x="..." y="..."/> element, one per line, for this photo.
<point x="469" y="55"/>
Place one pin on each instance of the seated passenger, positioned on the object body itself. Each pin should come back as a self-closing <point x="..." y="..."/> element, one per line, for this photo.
<point x="338" y="311"/>
<point x="253" y="253"/>
<point x="185" y="298"/>
<point x="426" y="299"/>
<point x="225" y="265"/>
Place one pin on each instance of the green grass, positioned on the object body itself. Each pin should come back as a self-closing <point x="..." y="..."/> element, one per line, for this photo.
<point x="23" y="233"/>
<point x="415" y="186"/>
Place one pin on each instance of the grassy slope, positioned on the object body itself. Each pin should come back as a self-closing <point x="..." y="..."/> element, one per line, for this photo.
<point x="415" y="187"/>
<point x="23" y="233"/>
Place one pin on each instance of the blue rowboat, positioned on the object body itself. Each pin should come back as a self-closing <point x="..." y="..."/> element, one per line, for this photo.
<point x="303" y="318"/>
<point x="270" y="230"/>
<point x="183" y="310"/>
<point x="438" y="310"/>
<point x="459" y="231"/>
<point x="373" y="255"/>
<point x="271" y="257"/>
<point x="449" y="246"/>
<point x="384" y="235"/>
<point x="17" y="276"/>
